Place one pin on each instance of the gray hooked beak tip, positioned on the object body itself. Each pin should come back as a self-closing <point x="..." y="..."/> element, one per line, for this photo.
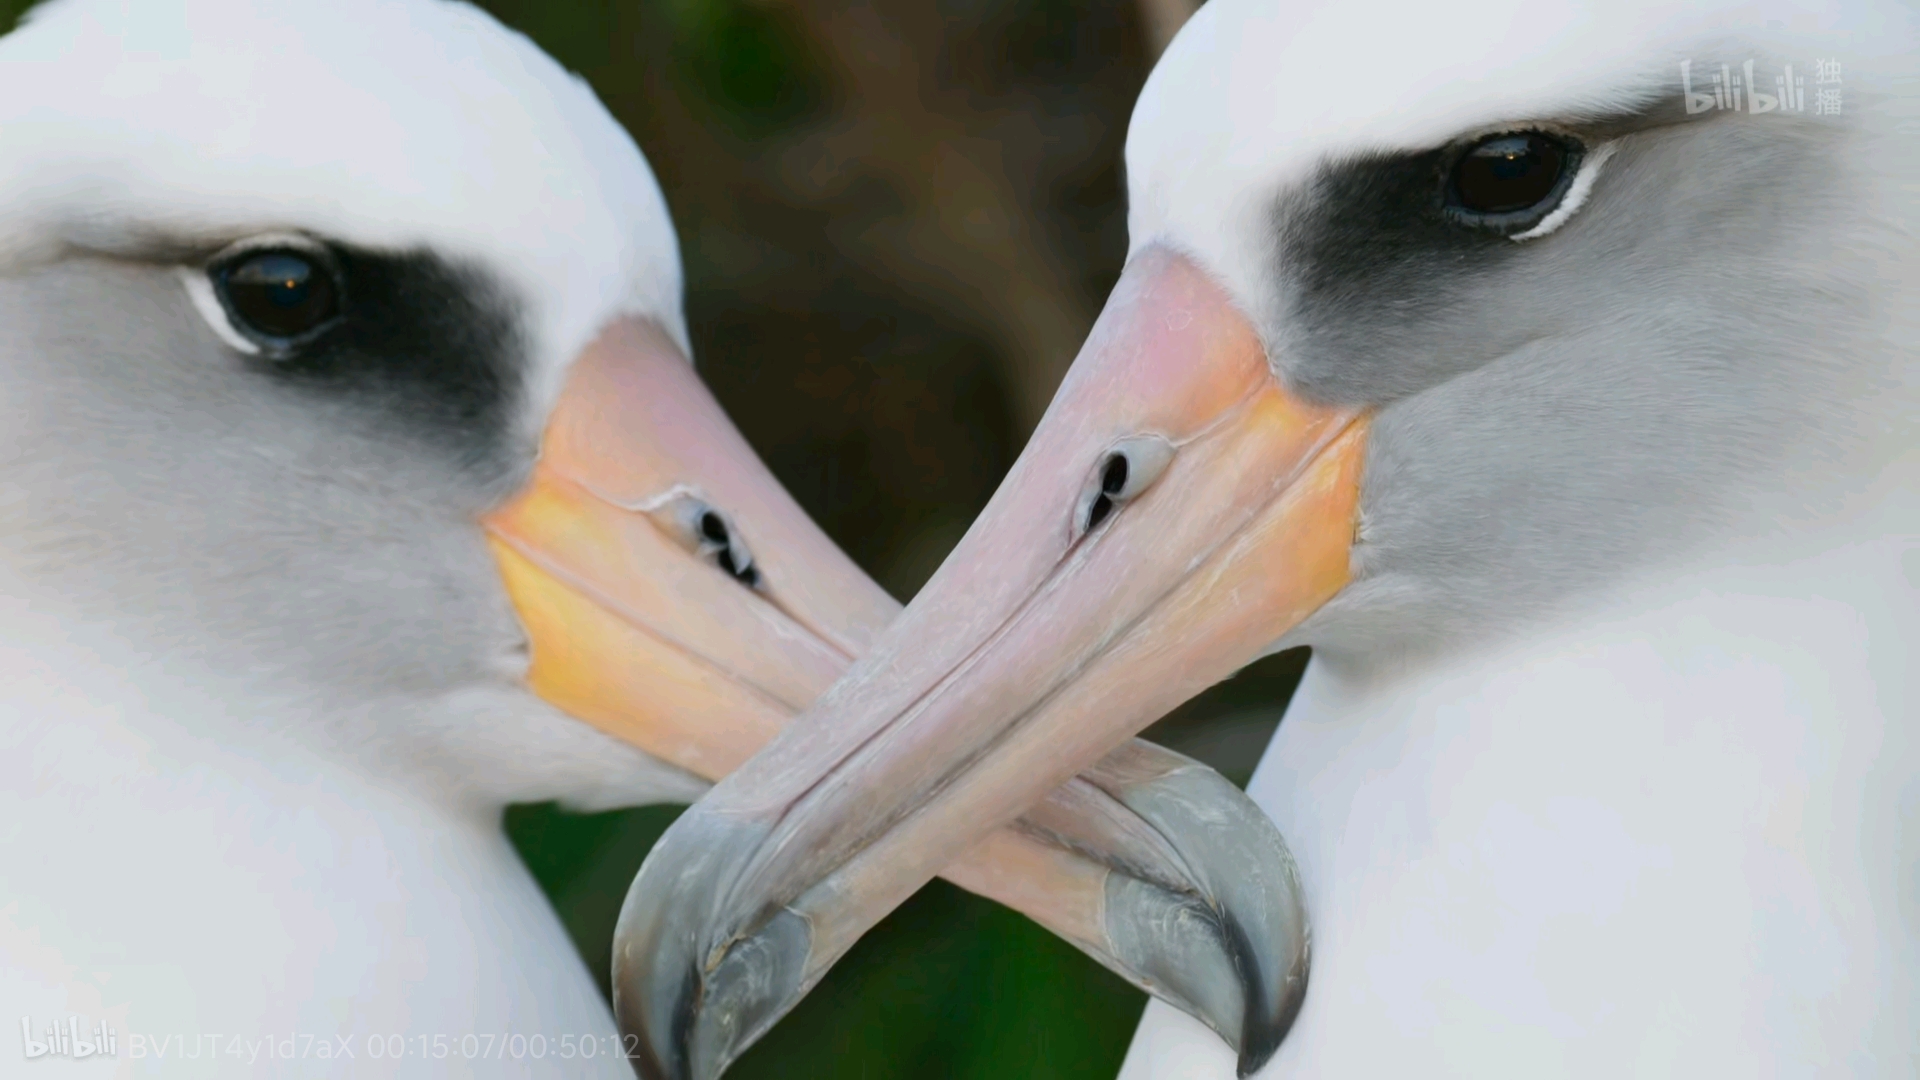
<point x="1200" y="905"/>
<point x="1250" y="980"/>
<point x="687" y="1007"/>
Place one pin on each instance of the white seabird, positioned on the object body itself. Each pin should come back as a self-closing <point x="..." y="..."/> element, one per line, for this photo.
<point x="287" y="297"/>
<point x="1561" y="394"/>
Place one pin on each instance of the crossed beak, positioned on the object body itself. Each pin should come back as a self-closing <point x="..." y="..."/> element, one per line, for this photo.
<point x="1175" y="514"/>
<point x="677" y="598"/>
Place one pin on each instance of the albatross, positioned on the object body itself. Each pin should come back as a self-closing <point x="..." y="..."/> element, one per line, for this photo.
<point x="353" y="457"/>
<point x="1549" y="369"/>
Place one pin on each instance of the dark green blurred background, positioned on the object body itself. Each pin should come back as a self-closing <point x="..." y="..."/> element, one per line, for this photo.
<point x="898" y="220"/>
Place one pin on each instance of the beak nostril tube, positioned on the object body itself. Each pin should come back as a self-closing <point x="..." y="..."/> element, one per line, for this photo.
<point x="700" y="528"/>
<point x="1128" y="469"/>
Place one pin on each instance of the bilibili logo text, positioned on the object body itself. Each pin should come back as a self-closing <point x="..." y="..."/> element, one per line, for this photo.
<point x="66" y="1038"/>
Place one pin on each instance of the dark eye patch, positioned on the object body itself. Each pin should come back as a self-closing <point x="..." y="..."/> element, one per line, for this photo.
<point x="1373" y="258"/>
<point x="1369" y="221"/>
<point x="1385" y="283"/>
<point x="415" y="344"/>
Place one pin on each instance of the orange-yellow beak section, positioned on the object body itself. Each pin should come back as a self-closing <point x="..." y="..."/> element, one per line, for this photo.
<point x="675" y="596"/>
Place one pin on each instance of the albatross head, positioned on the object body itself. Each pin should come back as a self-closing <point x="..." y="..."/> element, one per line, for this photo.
<point x="1435" y="318"/>
<point x="347" y="392"/>
<point x="289" y="296"/>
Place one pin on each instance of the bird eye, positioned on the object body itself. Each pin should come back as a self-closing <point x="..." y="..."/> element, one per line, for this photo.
<point x="1126" y="471"/>
<point x="280" y="295"/>
<point x="1511" y="180"/>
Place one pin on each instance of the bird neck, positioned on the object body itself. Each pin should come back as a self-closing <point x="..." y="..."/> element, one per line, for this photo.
<point x="1661" y="835"/>
<point x="181" y="864"/>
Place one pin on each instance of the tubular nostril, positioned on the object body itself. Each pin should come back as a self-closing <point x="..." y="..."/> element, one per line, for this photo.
<point x="1129" y="468"/>
<point x="705" y="532"/>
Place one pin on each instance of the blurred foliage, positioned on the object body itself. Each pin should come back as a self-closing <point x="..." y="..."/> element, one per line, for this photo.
<point x="10" y="12"/>
<point x="744" y="59"/>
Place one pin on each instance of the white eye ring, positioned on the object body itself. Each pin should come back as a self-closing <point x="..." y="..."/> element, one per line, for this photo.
<point x="1576" y="195"/>
<point x="1128" y="468"/>
<point x="200" y="291"/>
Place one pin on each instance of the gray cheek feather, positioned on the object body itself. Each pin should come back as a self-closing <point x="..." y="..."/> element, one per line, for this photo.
<point x="1557" y="411"/>
<point x="289" y="528"/>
